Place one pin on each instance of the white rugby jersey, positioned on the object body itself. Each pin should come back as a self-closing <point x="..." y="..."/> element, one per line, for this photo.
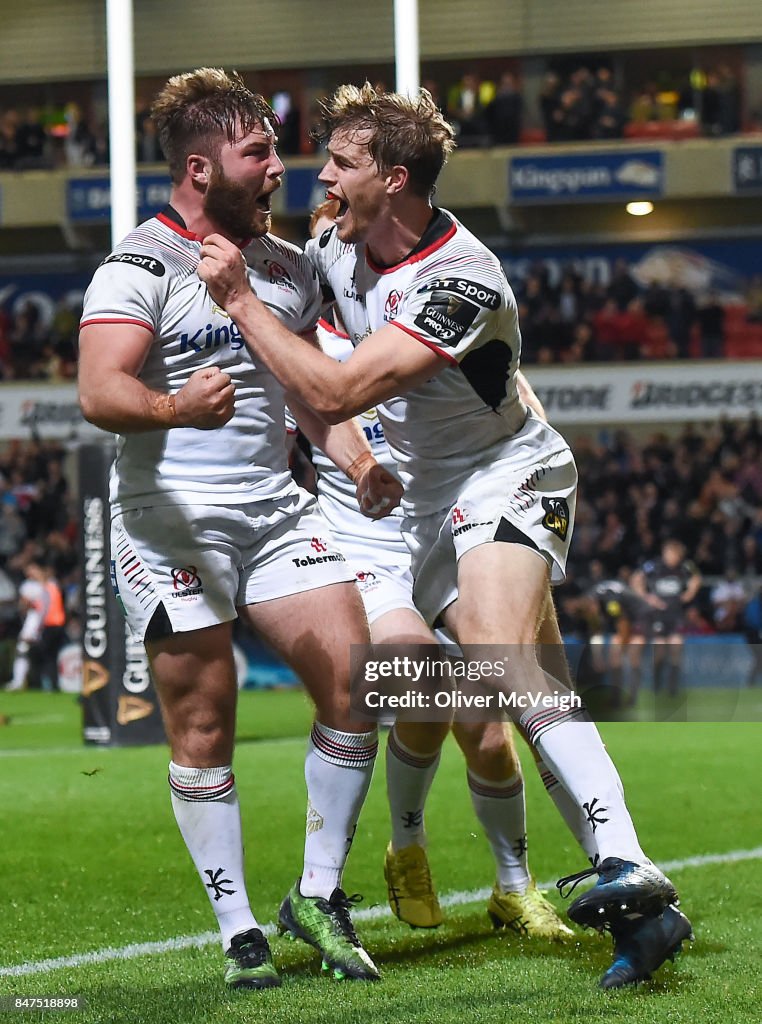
<point x="150" y="279"/>
<point x="36" y="595"/>
<point x="337" y="495"/>
<point x="451" y="295"/>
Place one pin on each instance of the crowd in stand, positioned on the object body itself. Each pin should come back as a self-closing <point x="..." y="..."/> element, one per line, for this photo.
<point x="574" y="320"/>
<point x="582" y="104"/>
<point x="41" y="139"/>
<point x="578" y="319"/>
<point x="586" y="104"/>
<point x="68" y="136"/>
<point x="38" y="528"/>
<point x="703" y="487"/>
<point x="31" y="348"/>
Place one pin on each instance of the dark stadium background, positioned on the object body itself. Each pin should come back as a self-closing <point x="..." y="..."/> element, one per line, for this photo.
<point x="642" y="334"/>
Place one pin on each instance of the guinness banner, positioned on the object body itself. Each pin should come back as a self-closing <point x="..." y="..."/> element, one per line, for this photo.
<point x="119" y="702"/>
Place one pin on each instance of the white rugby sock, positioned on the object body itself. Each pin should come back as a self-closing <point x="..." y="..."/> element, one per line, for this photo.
<point x="205" y="803"/>
<point x="570" y="745"/>
<point x="575" y="818"/>
<point x="338" y="769"/>
<point x="20" y="671"/>
<point x="500" y="808"/>
<point x="408" y="780"/>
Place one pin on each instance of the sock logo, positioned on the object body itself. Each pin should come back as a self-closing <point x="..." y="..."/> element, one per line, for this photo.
<point x="594" y="813"/>
<point x="519" y="846"/>
<point x="216" y="883"/>
<point x="412" y="819"/>
<point x="315" y="821"/>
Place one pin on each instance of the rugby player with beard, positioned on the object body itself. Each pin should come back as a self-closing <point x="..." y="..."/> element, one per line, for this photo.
<point x="207" y="522"/>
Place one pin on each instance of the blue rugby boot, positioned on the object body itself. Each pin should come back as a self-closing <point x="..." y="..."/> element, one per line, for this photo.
<point x="642" y="944"/>
<point x="623" y="887"/>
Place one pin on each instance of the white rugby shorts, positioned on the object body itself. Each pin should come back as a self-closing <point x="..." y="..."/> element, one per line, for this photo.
<point x="203" y="561"/>
<point x="535" y="506"/>
<point x="382" y="572"/>
<point x="384" y="588"/>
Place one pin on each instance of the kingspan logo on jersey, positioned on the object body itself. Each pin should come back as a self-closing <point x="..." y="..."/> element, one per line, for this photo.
<point x="210" y="337"/>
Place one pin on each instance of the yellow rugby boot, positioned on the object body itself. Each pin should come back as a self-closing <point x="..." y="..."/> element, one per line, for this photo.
<point x="527" y="913"/>
<point x="411" y="891"/>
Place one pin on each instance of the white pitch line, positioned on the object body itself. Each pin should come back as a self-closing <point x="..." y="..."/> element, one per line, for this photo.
<point x="453" y="899"/>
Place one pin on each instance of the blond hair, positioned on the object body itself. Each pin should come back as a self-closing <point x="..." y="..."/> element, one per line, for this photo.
<point x="196" y="111"/>
<point x="406" y="131"/>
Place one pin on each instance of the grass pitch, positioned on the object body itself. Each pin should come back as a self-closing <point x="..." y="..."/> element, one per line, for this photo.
<point x="90" y="859"/>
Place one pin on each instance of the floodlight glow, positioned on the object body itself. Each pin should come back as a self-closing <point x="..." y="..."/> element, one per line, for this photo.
<point x="641" y="209"/>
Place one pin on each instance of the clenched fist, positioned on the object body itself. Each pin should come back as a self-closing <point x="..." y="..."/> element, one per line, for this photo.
<point x="223" y="270"/>
<point x="379" y="492"/>
<point x="207" y="401"/>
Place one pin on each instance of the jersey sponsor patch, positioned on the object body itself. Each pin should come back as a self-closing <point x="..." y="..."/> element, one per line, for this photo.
<point x="556" y="518"/>
<point x="134" y="259"/>
<point x="477" y="293"/>
<point x="446" y="317"/>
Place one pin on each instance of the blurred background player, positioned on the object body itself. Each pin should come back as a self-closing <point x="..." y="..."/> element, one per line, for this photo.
<point x="34" y="598"/>
<point x="378" y="553"/>
<point x="202" y="447"/>
<point x="667" y="585"/>
<point x="53" y="634"/>
<point x="612" y="605"/>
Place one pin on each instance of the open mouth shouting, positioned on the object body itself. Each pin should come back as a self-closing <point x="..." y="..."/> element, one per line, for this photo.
<point x="263" y="202"/>
<point x="343" y="204"/>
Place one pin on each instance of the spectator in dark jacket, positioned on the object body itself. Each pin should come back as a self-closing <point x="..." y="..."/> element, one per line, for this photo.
<point x="504" y="112"/>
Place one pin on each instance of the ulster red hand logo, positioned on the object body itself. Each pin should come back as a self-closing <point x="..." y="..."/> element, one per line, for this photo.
<point x="186" y="578"/>
<point x="392" y="305"/>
